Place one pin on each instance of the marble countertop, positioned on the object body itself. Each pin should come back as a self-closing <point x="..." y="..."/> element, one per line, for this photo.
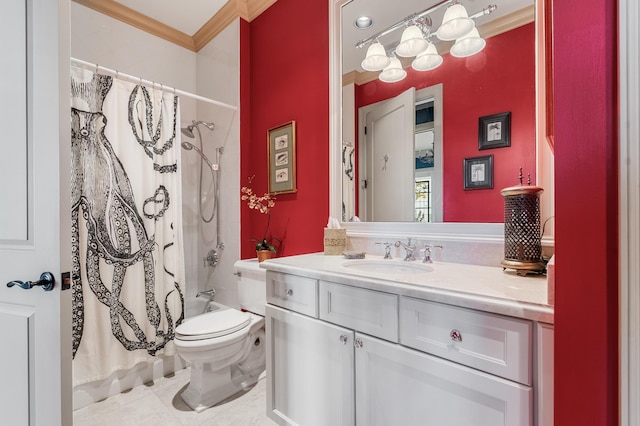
<point x="484" y="288"/>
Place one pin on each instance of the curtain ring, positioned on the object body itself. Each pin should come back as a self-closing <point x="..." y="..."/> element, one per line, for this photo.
<point x="117" y="74"/>
<point x="96" y="71"/>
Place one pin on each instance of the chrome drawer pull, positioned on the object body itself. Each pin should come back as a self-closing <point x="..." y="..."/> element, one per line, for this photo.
<point x="289" y="292"/>
<point x="358" y="343"/>
<point x="455" y="335"/>
<point x="343" y="339"/>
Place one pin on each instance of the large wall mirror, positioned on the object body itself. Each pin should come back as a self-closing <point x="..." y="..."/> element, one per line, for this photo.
<point x="399" y="149"/>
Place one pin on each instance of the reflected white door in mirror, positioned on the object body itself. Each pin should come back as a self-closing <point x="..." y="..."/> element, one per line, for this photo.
<point x="394" y="151"/>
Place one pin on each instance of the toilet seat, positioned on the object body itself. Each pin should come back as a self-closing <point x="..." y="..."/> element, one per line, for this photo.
<point x="213" y="324"/>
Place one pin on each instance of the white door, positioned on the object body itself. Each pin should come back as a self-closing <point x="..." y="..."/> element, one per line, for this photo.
<point x="400" y="386"/>
<point x="388" y="160"/>
<point x="309" y="370"/>
<point x="34" y="354"/>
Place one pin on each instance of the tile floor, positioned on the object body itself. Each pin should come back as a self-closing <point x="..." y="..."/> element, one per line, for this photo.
<point x="159" y="404"/>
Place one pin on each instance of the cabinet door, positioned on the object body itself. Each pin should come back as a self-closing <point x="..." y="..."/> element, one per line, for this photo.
<point x="400" y="386"/>
<point x="309" y="370"/>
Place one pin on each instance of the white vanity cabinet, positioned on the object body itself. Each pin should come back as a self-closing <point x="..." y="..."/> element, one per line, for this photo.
<point x="309" y="370"/>
<point x="400" y="386"/>
<point x="355" y="355"/>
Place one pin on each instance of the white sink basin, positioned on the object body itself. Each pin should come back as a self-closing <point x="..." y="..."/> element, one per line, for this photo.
<point x="387" y="267"/>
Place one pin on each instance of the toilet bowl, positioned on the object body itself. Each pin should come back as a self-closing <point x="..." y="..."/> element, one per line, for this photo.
<point x="225" y="346"/>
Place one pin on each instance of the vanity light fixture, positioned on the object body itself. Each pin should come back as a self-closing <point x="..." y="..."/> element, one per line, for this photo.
<point x="468" y="45"/>
<point x="415" y="40"/>
<point x="428" y="60"/>
<point x="393" y="72"/>
<point x="412" y="42"/>
<point x="455" y="24"/>
<point x="376" y="59"/>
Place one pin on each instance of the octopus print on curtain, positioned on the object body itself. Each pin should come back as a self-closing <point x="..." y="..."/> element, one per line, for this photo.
<point x="128" y="269"/>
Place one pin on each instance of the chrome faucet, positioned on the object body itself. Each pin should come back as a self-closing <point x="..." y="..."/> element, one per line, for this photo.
<point x="209" y="294"/>
<point x="387" y="250"/>
<point x="409" y="249"/>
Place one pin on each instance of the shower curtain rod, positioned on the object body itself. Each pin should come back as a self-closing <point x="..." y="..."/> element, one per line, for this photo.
<point x="133" y="79"/>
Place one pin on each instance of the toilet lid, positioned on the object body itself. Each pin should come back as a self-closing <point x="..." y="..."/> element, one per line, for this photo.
<point x="213" y="324"/>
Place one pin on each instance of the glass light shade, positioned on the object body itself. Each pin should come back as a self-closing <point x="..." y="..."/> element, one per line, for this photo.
<point x="427" y="60"/>
<point x="455" y="23"/>
<point x="468" y="45"/>
<point x="393" y="72"/>
<point x="376" y="58"/>
<point x="412" y="42"/>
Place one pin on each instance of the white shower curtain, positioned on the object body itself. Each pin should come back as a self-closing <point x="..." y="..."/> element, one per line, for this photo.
<point x="128" y="268"/>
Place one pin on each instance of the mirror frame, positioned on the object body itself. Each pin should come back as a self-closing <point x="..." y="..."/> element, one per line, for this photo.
<point x="444" y="231"/>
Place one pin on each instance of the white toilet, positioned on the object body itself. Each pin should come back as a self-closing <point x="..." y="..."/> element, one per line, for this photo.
<point x="225" y="346"/>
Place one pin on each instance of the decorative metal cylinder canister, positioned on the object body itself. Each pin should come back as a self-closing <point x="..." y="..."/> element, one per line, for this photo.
<point x="522" y="237"/>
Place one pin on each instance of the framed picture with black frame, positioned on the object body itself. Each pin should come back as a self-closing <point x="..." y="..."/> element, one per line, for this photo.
<point x="478" y="172"/>
<point x="281" y="146"/>
<point x="494" y="131"/>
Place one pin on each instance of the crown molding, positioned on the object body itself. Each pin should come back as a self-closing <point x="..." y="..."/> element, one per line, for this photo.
<point x="498" y="26"/>
<point x="245" y="9"/>
<point x="214" y="26"/>
<point x="140" y="21"/>
<point x="508" y="22"/>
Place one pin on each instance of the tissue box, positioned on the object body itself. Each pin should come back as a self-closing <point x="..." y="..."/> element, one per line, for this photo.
<point x="551" y="281"/>
<point x="335" y="241"/>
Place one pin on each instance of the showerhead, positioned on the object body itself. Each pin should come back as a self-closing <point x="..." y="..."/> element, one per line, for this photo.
<point x="188" y="131"/>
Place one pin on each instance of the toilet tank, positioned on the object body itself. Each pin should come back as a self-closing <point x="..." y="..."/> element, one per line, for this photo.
<point x="252" y="285"/>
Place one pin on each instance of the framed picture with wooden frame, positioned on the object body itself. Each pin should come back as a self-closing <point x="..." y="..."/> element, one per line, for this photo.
<point x="494" y="131"/>
<point x="281" y="152"/>
<point x="478" y="172"/>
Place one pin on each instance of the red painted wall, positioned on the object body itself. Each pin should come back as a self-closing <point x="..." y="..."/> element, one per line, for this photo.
<point x="586" y="169"/>
<point x="289" y="73"/>
<point x="586" y="188"/>
<point x="506" y="70"/>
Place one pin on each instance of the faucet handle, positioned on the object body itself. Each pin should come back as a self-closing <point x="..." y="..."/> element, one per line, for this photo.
<point x="211" y="259"/>
<point x="427" y="252"/>
<point x="387" y="250"/>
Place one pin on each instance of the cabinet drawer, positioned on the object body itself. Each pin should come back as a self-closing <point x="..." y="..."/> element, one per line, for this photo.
<point x="293" y="292"/>
<point x="371" y="312"/>
<point x="488" y="342"/>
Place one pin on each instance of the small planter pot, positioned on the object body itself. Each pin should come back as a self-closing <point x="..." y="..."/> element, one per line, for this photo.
<point x="264" y="255"/>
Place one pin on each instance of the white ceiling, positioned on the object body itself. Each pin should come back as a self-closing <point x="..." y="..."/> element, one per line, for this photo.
<point x="187" y="16"/>
<point x="387" y="12"/>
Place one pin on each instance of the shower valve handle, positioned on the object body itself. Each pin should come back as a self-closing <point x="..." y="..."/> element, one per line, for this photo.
<point x="211" y="259"/>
